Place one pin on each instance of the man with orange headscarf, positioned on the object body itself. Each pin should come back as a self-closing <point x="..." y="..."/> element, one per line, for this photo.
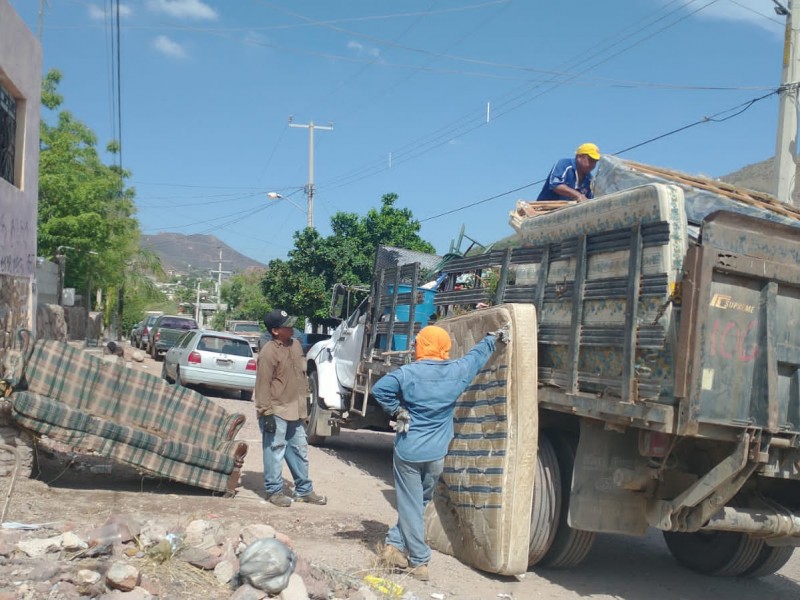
<point x="421" y="397"/>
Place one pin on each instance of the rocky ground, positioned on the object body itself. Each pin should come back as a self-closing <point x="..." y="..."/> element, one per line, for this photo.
<point x="87" y="528"/>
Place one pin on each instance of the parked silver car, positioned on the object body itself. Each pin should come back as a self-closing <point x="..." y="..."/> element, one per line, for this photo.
<point x="214" y="359"/>
<point x="136" y="334"/>
<point x="143" y="339"/>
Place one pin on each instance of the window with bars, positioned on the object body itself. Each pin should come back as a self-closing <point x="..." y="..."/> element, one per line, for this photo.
<point x="8" y="135"/>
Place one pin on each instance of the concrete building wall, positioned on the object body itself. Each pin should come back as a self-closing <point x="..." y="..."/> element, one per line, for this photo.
<point x="21" y="79"/>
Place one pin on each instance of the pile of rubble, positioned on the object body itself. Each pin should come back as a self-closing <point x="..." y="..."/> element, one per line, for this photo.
<point x="126" y="559"/>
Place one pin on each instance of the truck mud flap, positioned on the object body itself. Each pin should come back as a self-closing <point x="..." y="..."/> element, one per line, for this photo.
<point x="481" y="510"/>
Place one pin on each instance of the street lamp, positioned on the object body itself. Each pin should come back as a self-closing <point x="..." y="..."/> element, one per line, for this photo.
<point x="276" y="196"/>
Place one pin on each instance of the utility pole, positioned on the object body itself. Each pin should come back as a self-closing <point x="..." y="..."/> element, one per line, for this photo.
<point x="219" y="273"/>
<point x="197" y="310"/>
<point x="310" y="188"/>
<point x="786" y="145"/>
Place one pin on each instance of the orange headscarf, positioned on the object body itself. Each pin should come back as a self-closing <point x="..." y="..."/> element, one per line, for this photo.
<point x="433" y="343"/>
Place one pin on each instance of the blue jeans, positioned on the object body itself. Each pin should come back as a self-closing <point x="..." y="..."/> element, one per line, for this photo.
<point x="414" y="484"/>
<point x="289" y="434"/>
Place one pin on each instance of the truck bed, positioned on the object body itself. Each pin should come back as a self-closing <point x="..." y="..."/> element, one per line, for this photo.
<point x="621" y="290"/>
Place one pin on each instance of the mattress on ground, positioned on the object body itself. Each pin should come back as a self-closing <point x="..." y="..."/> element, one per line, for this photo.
<point x="481" y="510"/>
<point x="661" y="211"/>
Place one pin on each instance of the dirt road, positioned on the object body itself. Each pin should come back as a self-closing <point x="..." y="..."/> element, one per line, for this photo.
<point x="354" y="471"/>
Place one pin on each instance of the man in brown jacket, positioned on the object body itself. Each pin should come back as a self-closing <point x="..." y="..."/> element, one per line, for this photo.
<point x="280" y="399"/>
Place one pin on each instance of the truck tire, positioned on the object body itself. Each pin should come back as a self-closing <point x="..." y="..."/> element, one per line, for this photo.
<point x="313" y="411"/>
<point x="721" y="553"/>
<point x="570" y="546"/>
<point x="769" y="560"/>
<point x="246" y="394"/>
<point x="546" y="501"/>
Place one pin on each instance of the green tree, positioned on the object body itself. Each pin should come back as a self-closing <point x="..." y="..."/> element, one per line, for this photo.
<point x="302" y="283"/>
<point x="86" y="212"/>
<point x="245" y="300"/>
<point x="138" y="289"/>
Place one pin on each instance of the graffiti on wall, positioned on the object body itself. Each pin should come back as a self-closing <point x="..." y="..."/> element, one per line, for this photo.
<point x="17" y="238"/>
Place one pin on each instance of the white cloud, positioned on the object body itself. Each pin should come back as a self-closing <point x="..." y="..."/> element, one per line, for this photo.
<point x="169" y="48"/>
<point x="188" y="9"/>
<point x="98" y="13"/>
<point x="362" y="50"/>
<point x="754" y="12"/>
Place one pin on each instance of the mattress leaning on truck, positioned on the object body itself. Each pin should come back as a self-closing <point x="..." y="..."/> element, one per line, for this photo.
<point x="481" y="511"/>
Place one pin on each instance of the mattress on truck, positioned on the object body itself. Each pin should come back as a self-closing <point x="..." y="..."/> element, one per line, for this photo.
<point x="703" y="196"/>
<point x="608" y="223"/>
<point x="481" y="510"/>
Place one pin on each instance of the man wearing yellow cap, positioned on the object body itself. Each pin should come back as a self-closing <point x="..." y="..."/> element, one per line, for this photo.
<point x="421" y="397"/>
<point x="571" y="178"/>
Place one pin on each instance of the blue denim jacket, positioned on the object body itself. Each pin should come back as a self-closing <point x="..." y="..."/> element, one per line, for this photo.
<point x="428" y="390"/>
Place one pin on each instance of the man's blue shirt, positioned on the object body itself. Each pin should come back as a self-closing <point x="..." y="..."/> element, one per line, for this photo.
<point x="428" y="390"/>
<point x="565" y="172"/>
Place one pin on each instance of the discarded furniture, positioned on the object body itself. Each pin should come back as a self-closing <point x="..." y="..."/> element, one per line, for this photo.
<point x="104" y="408"/>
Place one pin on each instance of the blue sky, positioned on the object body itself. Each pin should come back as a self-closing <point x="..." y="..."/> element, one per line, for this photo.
<point x="446" y="103"/>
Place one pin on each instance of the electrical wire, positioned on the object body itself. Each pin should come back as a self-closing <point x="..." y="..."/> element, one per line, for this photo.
<point x="739" y="109"/>
<point x="475" y="120"/>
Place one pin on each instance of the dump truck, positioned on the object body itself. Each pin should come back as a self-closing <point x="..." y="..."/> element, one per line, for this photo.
<point x="653" y="379"/>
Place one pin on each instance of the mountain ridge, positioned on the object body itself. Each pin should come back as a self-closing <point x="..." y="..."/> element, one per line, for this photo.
<point x="196" y="253"/>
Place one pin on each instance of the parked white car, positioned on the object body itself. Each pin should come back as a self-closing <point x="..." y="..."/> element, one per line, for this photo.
<point x="214" y="359"/>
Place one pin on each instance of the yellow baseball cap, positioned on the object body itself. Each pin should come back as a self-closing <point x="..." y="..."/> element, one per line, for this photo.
<point x="591" y="150"/>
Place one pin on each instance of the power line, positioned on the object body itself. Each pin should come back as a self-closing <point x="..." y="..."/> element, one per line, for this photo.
<point x="119" y="93"/>
<point x="741" y="108"/>
<point x="475" y="120"/>
<point x="713" y="118"/>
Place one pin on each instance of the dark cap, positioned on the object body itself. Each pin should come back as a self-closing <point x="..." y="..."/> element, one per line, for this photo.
<point x="278" y="318"/>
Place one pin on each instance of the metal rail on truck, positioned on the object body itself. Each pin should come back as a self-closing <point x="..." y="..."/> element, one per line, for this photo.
<point x="387" y="339"/>
<point x="524" y="275"/>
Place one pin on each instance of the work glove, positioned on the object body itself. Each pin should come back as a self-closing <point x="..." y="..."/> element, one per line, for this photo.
<point x="503" y="334"/>
<point x="402" y="420"/>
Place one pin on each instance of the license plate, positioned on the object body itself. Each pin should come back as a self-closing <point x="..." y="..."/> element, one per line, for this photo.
<point x="224" y="362"/>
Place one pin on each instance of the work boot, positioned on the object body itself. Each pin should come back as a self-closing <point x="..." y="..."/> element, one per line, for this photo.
<point x="393" y="557"/>
<point x="420" y="572"/>
<point x="280" y="499"/>
<point x="312" y="498"/>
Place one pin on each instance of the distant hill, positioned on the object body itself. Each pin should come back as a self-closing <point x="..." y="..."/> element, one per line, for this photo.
<point x="195" y="254"/>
